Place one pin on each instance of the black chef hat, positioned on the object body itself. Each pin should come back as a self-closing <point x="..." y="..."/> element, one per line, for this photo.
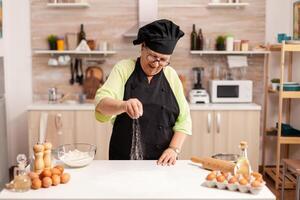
<point x="160" y="36"/>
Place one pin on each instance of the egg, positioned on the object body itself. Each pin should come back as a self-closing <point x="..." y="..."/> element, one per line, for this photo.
<point x="211" y="176"/>
<point x="65" y="178"/>
<point x="256" y="184"/>
<point x="55" y="171"/>
<point x="60" y="167"/>
<point x="260" y="179"/>
<point x="225" y="174"/>
<point x="256" y="175"/>
<point x="55" y="179"/>
<point x="220" y="178"/>
<point x="46" y="173"/>
<point x="33" y="175"/>
<point x="243" y="181"/>
<point x="233" y="180"/>
<point x="46" y="182"/>
<point x="36" y="183"/>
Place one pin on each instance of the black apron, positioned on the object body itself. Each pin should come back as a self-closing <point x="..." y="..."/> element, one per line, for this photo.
<point x="160" y="112"/>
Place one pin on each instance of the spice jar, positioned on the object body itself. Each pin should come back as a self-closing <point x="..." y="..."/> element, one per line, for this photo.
<point x="237" y="45"/>
<point x="245" y="45"/>
<point x="60" y="44"/>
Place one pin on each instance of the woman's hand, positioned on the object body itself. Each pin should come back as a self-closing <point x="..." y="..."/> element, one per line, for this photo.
<point x="133" y="107"/>
<point x="168" y="157"/>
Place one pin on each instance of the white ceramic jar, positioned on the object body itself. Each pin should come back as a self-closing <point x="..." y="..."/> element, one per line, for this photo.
<point x="229" y="43"/>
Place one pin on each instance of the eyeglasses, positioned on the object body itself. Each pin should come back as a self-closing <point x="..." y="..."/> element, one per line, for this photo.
<point x="151" y="58"/>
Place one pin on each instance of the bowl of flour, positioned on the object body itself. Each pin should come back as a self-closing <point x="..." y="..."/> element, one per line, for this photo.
<point x="77" y="154"/>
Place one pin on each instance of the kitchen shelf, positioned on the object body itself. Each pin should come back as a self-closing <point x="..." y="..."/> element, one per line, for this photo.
<point x="229" y="52"/>
<point x="68" y="5"/>
<point x="286" y="50"/>
<point x="68" y="52"/>
<point x="286" y="94"/>
<point x="227" y="5"/>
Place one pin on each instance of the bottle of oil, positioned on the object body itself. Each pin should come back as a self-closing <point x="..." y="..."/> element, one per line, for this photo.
<point x="243" y="166"/>
<point x="194" y="45"/>
<point x="22" y="182"/>
<point x="81" y="34"/>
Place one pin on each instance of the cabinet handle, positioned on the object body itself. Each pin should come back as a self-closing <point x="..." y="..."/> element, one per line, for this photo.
<point x="58" y="123"/>
<point x="218" y="122"/>
<point x="208" y="122"/>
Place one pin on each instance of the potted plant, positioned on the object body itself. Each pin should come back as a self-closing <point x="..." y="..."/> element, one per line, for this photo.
<point x="220" y="43"/>
<point x="275" y="83"/>
<point x="52" y="42"/>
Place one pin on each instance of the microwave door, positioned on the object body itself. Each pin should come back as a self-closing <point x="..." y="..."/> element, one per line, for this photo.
<point x="228" y="91"/>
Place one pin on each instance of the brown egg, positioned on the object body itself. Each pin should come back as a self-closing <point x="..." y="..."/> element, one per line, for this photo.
<point x="256" y="184"/>
<point x="65" y="178"/>
<point x="55" y="179"/>
<point x="55" y="171"/>
<point x="256" y="175"/>
<point x="211" y="176"/>
<point x="243" y="181"/>
<point x="36" y="183"/>
<point x="33" y="175"/>
<point x="225" y="174"/>
<point x="260" y="179"/>
<point x="60" y="167"/>
<point x="46" y="173"/>
<point x="46" y="182"/>
<point x="220" y="178"/>
<point x="233" y="180"/>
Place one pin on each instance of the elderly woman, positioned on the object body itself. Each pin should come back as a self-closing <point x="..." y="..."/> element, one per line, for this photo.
<point x="149" y="90"/>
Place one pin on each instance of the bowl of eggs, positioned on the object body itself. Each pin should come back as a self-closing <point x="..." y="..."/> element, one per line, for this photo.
<point x="77" y="154"/>
<point x="253" y="183"/>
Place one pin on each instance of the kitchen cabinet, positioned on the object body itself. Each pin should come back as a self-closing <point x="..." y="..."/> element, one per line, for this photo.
<point x="220" y="131"/>
<point x="65" y="127"/>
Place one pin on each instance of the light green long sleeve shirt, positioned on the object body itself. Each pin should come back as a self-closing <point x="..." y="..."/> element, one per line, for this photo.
<point x="114" y="87"/>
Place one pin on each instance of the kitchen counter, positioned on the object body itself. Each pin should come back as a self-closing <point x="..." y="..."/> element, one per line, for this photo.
<point x="136" y="180"/>
<point x="90" y="106"/>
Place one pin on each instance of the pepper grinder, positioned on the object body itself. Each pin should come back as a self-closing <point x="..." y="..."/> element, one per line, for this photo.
<point x="47" y="155"/>
<point x="38" y="155"/>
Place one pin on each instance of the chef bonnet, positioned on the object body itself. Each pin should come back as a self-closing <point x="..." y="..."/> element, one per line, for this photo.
<point x="160" y="36"/>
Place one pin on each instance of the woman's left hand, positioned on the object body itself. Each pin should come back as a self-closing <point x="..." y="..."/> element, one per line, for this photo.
<point x="168" y="157"/>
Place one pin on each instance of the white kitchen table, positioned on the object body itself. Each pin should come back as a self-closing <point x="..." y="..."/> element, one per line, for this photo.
<point x="136" y="180"/>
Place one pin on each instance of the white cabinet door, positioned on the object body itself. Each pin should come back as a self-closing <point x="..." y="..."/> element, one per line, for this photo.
<point x="200" y="143"/>
<point x="60" y="128"/>
<point x="103" y="133"/>
<point x="244" y="126"/>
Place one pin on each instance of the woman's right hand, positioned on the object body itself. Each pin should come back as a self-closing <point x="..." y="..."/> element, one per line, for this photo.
<point x="133" y="107"/>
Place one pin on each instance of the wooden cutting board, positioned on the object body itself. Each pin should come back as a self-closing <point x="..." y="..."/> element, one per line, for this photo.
<point x="93" y="80"/>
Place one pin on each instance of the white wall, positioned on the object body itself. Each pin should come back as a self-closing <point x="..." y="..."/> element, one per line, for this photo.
<point x="279" y="15"/>
<point x="15" y="47"/>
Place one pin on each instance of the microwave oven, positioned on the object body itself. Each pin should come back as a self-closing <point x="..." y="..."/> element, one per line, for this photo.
<point x="231" y="91"/>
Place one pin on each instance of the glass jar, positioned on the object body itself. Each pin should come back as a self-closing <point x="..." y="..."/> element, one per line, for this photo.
<point x="245" y="45"/>
<point x="237" y="45"/>
<point x="22" y="181"/>
<point x="60" y="44"/>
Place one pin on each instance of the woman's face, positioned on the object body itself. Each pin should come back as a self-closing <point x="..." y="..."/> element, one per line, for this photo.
<point x="152" y="62"/>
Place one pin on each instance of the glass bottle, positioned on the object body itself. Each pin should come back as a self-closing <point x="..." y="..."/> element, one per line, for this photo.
<point x="81" y="34"/>
<point x="22" y="182"/>
<point x="243" y="166"/>
<point x="200" y="40"/>
<point x="194" y="38"/>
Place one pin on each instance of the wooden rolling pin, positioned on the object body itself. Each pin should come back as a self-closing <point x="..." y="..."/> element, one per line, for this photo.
<point x="214" y="164"/>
